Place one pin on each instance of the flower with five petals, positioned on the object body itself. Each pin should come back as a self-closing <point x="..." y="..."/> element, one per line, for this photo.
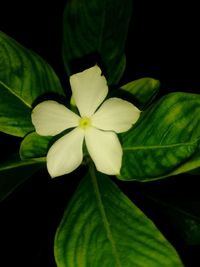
<point x="96" y="125"/>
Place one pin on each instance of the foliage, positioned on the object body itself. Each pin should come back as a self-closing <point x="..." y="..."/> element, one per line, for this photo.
<point x="101" y="226"/>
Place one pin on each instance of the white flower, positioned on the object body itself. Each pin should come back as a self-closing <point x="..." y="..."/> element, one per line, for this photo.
<point x="96" y="125"/>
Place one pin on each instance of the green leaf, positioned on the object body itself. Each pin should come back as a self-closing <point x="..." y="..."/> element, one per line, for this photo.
<point x="15" y="114"/>
<point x="165" y="141"/>
<point x="97" y="28"/>
<point x="185" y="217"/>
<point x="143" y="90"/>
<point x="34" y="146"/>
<point x="24" y="77"/>
<point x="101" y="227"/>
<point x="181" y="212"/>
<point x="195" y="171"/>
<point x="15" y="172"/>
<point x="27" y="74"/>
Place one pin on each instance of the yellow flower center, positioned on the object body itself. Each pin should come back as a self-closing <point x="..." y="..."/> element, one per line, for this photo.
<point x="85" y="122"/>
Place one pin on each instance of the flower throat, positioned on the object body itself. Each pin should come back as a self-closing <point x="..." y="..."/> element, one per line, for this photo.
<point x="85" y="122"/>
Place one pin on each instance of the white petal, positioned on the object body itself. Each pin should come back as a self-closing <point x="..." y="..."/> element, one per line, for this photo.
<point x="105" y="150"/>
<point x="66" y="153"/>
<point x="89" y="89"/>
<point x="51" y="118"/>
<point x="116" y="115"/>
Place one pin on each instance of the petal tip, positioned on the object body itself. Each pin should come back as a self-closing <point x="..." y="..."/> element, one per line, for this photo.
<point x="110" y="172"/>
<point x="55" y="171"/>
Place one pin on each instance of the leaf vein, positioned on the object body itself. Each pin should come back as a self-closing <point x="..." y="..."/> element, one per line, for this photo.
<point x="160" y="146"/>
<point x="15" y="94"/>
<point x="103" y="214"/>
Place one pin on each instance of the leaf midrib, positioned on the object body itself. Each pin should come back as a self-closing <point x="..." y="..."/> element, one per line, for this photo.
<point x="160" y="146"/>
<point x="15" y="94"/>
<point x="103" y="214"/>
<point x="18" y="164"/>
<point x="102" y="29"/>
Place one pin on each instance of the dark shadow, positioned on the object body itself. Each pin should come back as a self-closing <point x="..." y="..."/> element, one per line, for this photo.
<point x="50" y="96"/>
<point x="87" y="61"/>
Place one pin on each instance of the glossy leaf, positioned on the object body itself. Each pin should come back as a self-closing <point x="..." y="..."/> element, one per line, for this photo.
<point x="143" y="90"/>
<point x="27" y="74"/>
<point x="96" y="29"/>
<point x="165" y="140"/>
<point x="102" y="227"/>
<point x="34" y="146"/>
<point x="15" y="114"/>
<point x="15" y="172"/>
<point x="24" y="77"/>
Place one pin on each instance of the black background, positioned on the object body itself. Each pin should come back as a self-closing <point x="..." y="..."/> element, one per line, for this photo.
<point x="163" y="44"/>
